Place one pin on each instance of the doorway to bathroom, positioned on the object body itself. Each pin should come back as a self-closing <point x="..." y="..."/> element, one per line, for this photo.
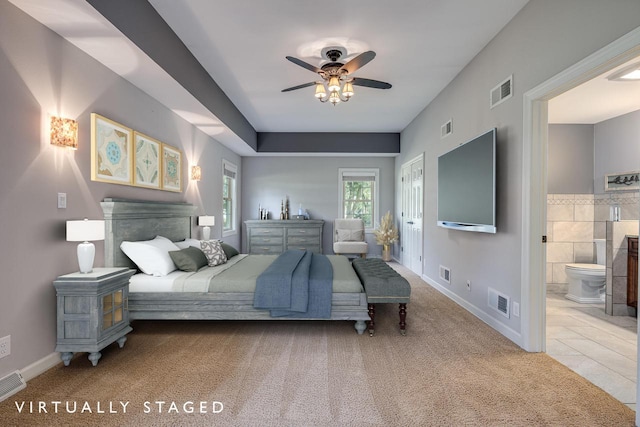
<point x="593" y="143"/>
<point x="534" y="186"/>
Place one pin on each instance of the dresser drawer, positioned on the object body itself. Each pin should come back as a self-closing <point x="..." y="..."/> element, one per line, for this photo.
<point x="267" y="231"/>
<point x="313" y="232"/>
<point x="266" y="240"/>
<point x="266" y="249"/>
<point x="313" y="248"/>
<point x="302" y="241"/>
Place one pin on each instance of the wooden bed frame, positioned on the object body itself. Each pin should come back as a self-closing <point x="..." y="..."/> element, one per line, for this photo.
<point x="134" y="220"/>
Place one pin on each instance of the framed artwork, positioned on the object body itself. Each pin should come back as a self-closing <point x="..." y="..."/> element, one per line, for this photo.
<point x="622" y="181"/>
<point x="171" y="168"/>
<point x="146" y="161"/>
<point x="111" y="151"/>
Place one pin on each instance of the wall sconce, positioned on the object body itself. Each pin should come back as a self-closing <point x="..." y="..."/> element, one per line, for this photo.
<point x="196" y="173"/>
<point x="64" y="132"/>
<point x="206" y="222"/>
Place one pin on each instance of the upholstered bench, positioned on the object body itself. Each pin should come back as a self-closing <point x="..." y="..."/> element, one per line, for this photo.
<point x="383" y="284"/>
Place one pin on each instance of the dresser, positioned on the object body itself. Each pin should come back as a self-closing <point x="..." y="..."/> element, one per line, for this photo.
<point x="277" y="236"/>
<point x="632" y="271"/>
<point x="92" y="311"/>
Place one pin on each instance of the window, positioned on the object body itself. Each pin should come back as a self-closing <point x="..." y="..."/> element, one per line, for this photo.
<point x="229" y="202"/>
<point x="359" y="194"/>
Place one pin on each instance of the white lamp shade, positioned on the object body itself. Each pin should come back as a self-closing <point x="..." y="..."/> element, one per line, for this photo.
<point x="206" y="220"/>
<point x="85" y="230"/>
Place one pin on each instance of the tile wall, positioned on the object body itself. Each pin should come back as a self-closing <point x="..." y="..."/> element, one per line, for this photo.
<point x="573" y="221"/>
<point x="616" y="301"/>
<point x="570" y="234"/>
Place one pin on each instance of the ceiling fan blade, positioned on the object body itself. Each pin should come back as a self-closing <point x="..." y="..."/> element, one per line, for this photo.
<point x="357" y="81"/>
<point x="298" y="87"/>
<point x="304" y="64"/>
<point x="359" y="61"/>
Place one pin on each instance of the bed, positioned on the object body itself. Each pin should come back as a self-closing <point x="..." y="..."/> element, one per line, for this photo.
<point x="230" y="298"/>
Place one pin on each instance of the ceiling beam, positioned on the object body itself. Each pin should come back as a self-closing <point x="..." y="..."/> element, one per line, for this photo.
<point x="142" y="24"/>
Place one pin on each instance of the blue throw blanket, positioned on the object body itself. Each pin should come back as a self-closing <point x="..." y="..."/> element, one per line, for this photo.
<point x="296" y="284"/>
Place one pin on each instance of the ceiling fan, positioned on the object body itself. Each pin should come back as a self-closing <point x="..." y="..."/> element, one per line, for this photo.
<point x="336" y="76"/>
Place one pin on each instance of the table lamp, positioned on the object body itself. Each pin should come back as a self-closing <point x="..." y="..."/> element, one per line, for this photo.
<point x="84" y="231"/>
<point x="206" y="222"/>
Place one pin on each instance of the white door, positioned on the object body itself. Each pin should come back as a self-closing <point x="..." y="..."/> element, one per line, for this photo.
<point x="412" y="206"/>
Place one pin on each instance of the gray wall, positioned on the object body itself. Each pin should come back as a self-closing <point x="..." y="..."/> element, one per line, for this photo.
<point x="312" y="181"/>
<point x="617" y="147"/>
<point x="545" y="38"/>
<point x="42" y="74"/>
<point x="570" y="159"/>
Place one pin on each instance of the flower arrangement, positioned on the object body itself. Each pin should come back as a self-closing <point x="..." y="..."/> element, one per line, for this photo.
<point x="387" y="232"/>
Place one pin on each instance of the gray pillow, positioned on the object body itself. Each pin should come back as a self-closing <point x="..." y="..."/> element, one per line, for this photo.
<point x="229" y="250"/>
<point x="189" y="259"/>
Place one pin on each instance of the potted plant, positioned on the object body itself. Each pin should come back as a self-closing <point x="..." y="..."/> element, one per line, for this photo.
<point x="386" y="234"/>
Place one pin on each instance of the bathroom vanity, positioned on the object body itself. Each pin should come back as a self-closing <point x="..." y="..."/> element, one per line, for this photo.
<point x="632" y="271"/>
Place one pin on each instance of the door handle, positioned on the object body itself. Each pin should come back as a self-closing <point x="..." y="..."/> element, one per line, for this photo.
<point x="410" y="222"/>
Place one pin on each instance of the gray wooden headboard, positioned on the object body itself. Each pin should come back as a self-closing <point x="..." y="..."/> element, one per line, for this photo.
<point x="134" y="220"/>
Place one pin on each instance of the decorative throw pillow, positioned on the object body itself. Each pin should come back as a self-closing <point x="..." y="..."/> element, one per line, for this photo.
<point x="214" y="252"/>
<point x="189" y="259"/>
<point x="345" y="235"/>
<point x="151" y="256"/>
<point x="229" y="250"/>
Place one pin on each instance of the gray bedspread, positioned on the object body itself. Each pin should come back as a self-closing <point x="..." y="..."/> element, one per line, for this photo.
<point x="296" y="284"/>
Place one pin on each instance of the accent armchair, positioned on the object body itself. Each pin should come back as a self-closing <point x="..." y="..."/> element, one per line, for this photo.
<point x="348" y="237"/>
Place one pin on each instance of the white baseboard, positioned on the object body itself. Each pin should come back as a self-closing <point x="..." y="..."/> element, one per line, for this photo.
<point x="40" y="366"/>
<point x="480" y="314"/>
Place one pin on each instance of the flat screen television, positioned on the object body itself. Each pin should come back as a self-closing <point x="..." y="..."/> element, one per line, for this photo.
<point x="467" y="185"/>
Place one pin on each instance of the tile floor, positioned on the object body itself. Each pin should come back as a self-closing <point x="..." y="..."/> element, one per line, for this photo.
<point x="599" y="347"/>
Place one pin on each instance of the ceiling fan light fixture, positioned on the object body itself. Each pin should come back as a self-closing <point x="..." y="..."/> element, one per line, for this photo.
<point x="347" y="91"/>
<point x="334" y="97"/>
<point x="320" y="92"/>
<point x="334" y="84"/>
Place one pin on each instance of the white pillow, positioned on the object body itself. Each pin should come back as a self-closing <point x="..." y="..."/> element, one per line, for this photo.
<point x="151" y="256"/>
<point x="188" y="242"/>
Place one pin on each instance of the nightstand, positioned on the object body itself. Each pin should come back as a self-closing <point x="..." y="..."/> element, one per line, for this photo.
<point x="93" y="311"/>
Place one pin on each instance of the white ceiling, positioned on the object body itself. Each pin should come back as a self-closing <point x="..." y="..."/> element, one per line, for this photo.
<point x="597" y="100"/>
<point x="421" y="45"/>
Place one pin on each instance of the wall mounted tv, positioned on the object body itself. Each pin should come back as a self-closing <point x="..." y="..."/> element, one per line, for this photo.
<point x="467" y="185"/>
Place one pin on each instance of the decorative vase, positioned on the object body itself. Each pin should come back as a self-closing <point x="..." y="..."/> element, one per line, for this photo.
<point x="386" y="252"/>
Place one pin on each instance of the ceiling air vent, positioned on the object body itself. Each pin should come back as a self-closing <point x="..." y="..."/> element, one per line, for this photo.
<point x="502" y="92"/>
<point x="446" y="129"/>
<point x="499" y="302"/>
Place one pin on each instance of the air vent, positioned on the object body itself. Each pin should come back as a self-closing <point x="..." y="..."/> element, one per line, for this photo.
<point x="445" y="274"/>
<point x="446" y="129"/>
<point x="502" y="92"/>
<point x="11" y="384"/>
<point x="499" y="302"/>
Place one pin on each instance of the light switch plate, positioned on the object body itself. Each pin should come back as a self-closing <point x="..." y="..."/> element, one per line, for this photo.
<point x="62" y="200"/>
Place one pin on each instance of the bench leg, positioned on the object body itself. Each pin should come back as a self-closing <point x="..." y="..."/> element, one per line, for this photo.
<point x="372" y="313"/>
<point x="403" y="317"/>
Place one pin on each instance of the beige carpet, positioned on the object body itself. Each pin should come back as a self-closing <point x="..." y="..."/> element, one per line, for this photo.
<point x="450" y="370"/>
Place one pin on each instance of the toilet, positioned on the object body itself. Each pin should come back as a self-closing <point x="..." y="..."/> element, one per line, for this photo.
<point x="587" y="281"/>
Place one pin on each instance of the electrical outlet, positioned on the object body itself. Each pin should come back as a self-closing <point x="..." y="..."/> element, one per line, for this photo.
<point x="516" y="309"/>
<point x="5" y="346"/>
<point x="469" y="285"/>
